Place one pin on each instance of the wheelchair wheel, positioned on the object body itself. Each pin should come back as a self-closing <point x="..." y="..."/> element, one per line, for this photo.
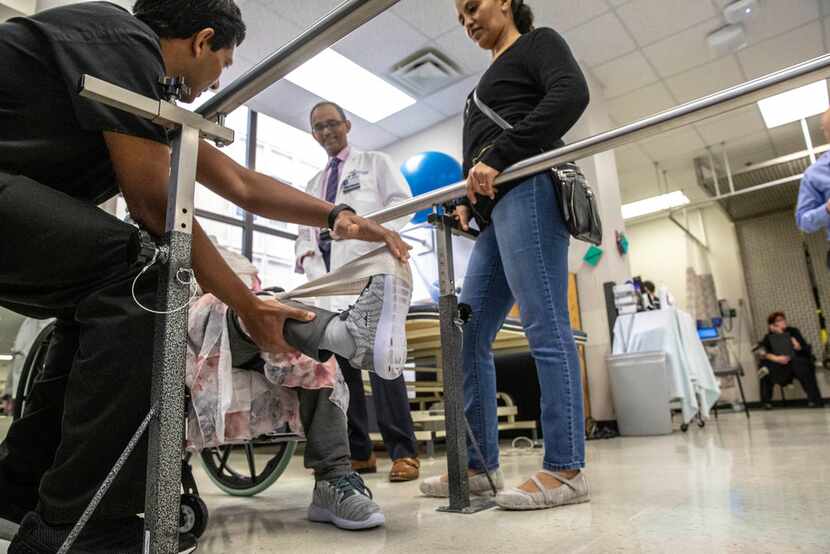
<point x="32" y="368"/>
<point x="193" y="515"/>
<point x="233" y="467"/>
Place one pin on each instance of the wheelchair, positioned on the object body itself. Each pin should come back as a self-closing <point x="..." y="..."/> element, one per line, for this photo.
<point x="232" y="468"/>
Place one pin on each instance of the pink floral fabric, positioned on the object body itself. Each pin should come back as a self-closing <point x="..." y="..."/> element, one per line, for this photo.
<point x="229" y="405"/>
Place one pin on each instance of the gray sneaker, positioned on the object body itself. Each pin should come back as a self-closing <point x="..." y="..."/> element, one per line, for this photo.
<point x="377" y="323"/>
<point x="345" y="502"/>
<point x="437" y="487"/>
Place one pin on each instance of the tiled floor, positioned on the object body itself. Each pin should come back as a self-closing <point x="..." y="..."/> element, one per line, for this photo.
<point x="734" y="486"/>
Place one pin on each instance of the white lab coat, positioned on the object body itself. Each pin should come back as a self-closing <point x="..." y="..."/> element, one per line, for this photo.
<point x="381" y="185"/>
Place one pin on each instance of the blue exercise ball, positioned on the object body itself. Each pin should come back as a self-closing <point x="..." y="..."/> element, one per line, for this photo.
<point x="428" y="171"/>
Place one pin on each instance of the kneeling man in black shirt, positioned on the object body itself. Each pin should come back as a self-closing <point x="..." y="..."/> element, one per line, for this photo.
<point x="62" y="257"/>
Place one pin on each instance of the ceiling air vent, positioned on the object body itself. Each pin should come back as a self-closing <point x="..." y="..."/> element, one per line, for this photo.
<point x="425" y="72"/>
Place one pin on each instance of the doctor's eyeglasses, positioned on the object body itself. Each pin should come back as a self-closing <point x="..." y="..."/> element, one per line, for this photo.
<point x="330" y="124"/>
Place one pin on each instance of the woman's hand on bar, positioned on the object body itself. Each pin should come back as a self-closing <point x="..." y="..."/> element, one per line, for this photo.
<point x="481" y="180"/>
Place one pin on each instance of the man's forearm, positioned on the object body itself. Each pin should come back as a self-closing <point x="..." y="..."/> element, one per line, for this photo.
<point x="270" y="198"/>
<point x="215" y="275"/>
<point x="258" y="193"/>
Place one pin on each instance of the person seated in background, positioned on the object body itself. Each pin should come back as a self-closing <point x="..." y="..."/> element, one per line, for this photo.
<point x="787" y="356"/>
<point x="650" y="299"/>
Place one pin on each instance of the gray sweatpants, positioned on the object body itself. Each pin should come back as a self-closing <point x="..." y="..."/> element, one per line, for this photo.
<point x="326" y="431"/>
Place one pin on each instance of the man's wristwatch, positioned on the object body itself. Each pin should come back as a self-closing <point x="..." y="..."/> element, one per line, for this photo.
<point x="336" y="212"/>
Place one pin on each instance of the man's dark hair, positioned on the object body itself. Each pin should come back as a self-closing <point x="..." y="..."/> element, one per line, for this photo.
<point x="649" y="286"/>
<point x="184" y="18"/>
<point x="319" y="105"/>
<point x="775" y="316"/>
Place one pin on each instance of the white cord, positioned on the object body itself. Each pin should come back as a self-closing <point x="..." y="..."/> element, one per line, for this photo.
<point x="190" y="282"/>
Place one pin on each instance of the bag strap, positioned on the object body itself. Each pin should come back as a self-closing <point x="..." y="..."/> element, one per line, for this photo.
<point x="488" y="111"/>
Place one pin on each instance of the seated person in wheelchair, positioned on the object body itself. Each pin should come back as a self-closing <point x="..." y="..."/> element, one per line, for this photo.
<point x="62" y="257"/>
<point x="786" y="355"/>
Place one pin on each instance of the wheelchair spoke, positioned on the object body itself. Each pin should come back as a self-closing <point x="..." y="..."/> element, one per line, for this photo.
<point x="249" y="453"/>
<point x="226" y="452"/>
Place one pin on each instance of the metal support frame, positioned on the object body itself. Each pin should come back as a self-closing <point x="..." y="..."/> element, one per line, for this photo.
<point x="714" y="169"/>
<point x="728" y="168"/>
<point x="808" y="140"/>
<point x="451" y="342"/>
<point x="166" y="429"/>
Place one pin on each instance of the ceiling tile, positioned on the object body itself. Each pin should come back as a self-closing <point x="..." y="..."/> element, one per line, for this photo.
<point x="616" y="3"/>
<point x="451" y="100"/>
<point x="732" y="125"/>
<point x="705" y="79"/>
<point x="639" y="184"/>
<point x="600" y="40"/>
<point x="640" y="103"/>
<point x="782" y="51"/>
<point x="412" y="120"/>
<point x="287" y="102"/>
<point x="433" y="18"/>
<point x="267" y="31"/>
<point x="750" y="150"/>
<point x="652" y="20"/>
<point x="788" y="138"/>
<point x="684" y="50"/>
<point x="302" y="12"/>
<point x="631" y="157"/>
<point x="370" y="137"/>
<point x="563" y="15"/>
<point x="672" y="145"/>
<point x="774" y="18"/>
<point x="458" y="47"/>
<point x="625" y="74"/>
<point x="399" y="41"/>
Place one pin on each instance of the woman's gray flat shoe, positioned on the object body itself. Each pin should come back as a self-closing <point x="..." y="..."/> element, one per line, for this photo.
<point x="572" y="491"/>
<point x="479" y="485"/>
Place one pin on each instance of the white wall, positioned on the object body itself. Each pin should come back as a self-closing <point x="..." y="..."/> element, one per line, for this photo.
<point x="443" y="137"/>
<point x="659" y="252"/>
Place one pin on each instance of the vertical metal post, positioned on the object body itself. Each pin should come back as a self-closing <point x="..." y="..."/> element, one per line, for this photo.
<point x="714" y="170"/>
<point x="250" y="163"/>
<point x="728" y="168"/>
<point x="166" y="431"/>
<point x="453" y="371"/>
<point x="451" y="343"/>
<point x="808" y="140"/>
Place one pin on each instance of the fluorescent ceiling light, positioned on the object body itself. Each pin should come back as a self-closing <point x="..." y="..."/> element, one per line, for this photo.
<point x="6" y="357"/>
<point x="335" y="77"/>
<point x="654" y="204"/>
<point x="795" y="105"/>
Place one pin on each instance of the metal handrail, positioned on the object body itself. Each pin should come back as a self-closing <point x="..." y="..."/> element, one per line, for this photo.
<point x="335" y="25"/>
<point x="686" y="114"/>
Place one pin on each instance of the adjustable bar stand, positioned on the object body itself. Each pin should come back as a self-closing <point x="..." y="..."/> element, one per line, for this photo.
<point x="164" y="459"/>
<point x="451" y="343"/>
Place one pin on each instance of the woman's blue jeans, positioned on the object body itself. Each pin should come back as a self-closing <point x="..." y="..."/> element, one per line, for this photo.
<point x="523" y="257"/>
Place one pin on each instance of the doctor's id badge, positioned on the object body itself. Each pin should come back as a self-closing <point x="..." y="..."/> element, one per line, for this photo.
<point x="351" y="182"/>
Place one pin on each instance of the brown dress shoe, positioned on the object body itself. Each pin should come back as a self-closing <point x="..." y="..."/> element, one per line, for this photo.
<point x="405" y="469"/>
<point x="365" y="466"/>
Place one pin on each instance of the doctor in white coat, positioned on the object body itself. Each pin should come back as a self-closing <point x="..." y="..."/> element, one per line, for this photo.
<point x="366" y="181"/>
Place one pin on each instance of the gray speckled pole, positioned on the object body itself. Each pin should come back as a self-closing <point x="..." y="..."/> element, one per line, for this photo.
<point x="453" y="373"/>
<point x="164" y="456"/>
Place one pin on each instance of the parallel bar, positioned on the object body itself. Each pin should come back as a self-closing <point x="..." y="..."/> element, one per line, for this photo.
<point x="159" y="111"/>
<point x="691" y="112"/>
<point x="338" y="23"/>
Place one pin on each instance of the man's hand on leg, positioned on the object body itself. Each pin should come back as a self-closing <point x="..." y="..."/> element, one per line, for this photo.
<point x="264" y="322"/>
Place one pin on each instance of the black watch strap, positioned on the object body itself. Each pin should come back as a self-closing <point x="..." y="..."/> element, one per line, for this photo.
<point x="336" y="211"/>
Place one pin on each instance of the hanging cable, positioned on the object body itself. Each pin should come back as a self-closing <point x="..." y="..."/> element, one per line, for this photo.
<point x="184" y="276"/>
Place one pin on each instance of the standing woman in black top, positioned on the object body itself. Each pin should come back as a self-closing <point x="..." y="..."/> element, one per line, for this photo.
<point x="521" y="254"/>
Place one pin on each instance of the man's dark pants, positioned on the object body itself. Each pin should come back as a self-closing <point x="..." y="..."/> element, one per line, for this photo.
<point x="64" y="258"/>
